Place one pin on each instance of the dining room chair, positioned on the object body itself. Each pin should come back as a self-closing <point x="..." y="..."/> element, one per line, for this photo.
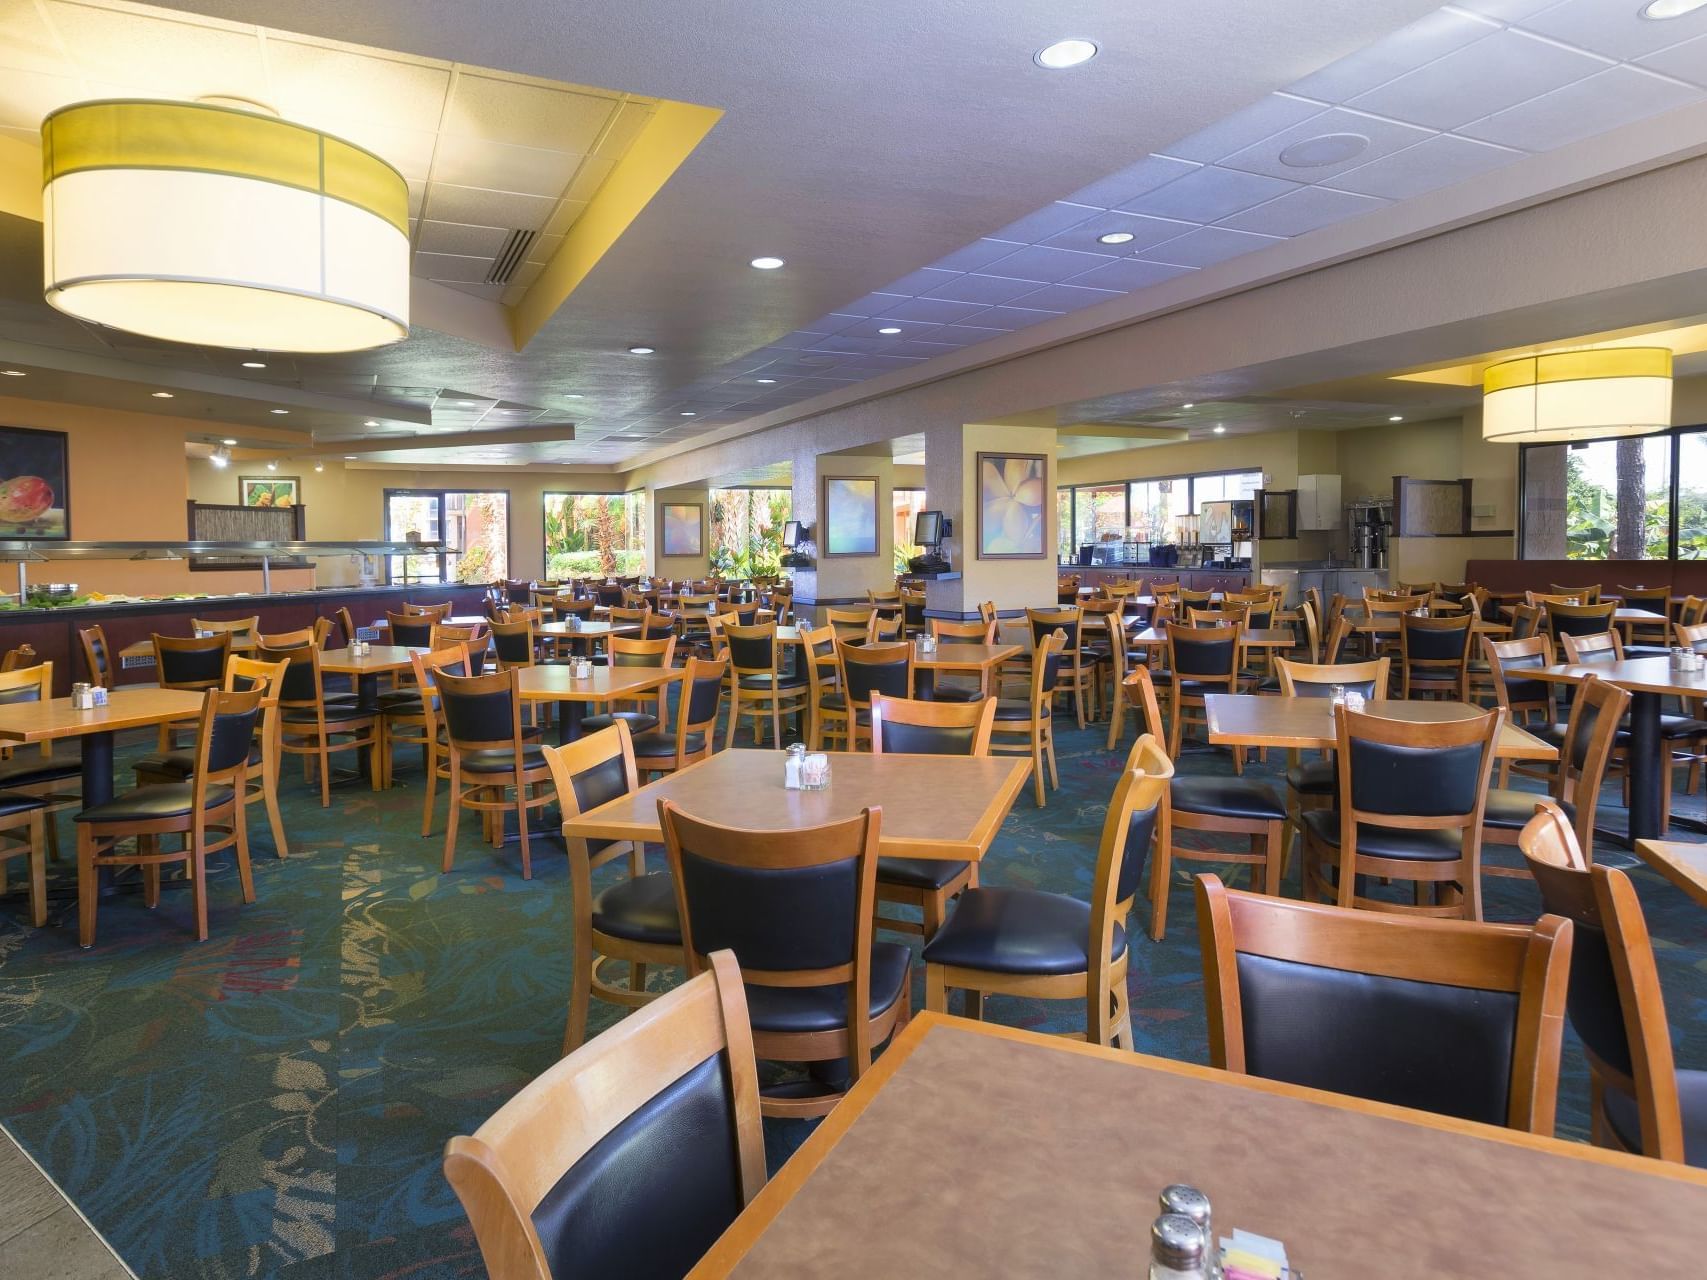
<point x="1692" y="612"/>
<point x="643" y="711"/>
<point x="1209" y="803"/>
<point x="241" y="676"/>
<point x="827" y="713"/>
<point x="437" y="611"/>
<point x="1026" y="726"/>
<point x="797" y="907"/>
<point x="490" y="754"/>
<point x="239" y="629"/>
<point x="867" y="670"/>
<point x="1530" y="704"/>
<point x="1585" y="595"/>
<point x="660" y="1113"/>
<point x="1647" y="639"/>
<point x="903" y="726"/>
<point x="1077" y="680"/>
<point x="413" y="630"/>
<point x="1409" y="807"/>
<point x="1050" y="946"/>
<point x="761" y="687"/>
<point x="1201" y="661"/>
<point x="1434" y="657"/>
<point x="192" y="663"/>
<point x="661" y="750"/>
<point x="1638" y="1098"/>
<point x="23" y="834"/>
<point x="206" y="812"/>
<point x="1563" y="619"/>
<point x="51" y="776"/>
<point x="347" y="625"/>
<point x="19" y="657"/>
<point x="97" y="655"/>
<point x="883" y="628"/>
<point x="431" y="738"/>
<point x="849" y="624"/>
<point x="1452" y="1017"/>
<point x="948" y="686"/>
<point x="1312" y="784"/>
<point x="317" y="728"/>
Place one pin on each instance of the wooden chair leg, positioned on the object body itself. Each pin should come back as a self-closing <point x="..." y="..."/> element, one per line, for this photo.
<point x="270" y="796"/>
<point x="1274" y="849"/>
<point x="432" y="788"/>
<point x="325" y="758"/>
<point x="198" y="887"/>
<point x="1116" y="715"/>
<point x="148" y="846"/>
<point x="38" y="870"/>
<point x="379" y="764"/>
<point x="522" y="824"/>
<point x="245" y="874"/>
<point x="85" y="886"/>
<point x="1049" y="755"/>
<point x="1037" y="767"/>
<point x="936" y="993"/>
<point x="455" y="806"/>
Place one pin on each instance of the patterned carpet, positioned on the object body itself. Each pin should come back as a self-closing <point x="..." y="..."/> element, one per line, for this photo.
<point x="273" y="1102"/>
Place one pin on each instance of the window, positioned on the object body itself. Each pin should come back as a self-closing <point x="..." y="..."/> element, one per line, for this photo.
<point x="908" y="504"/>
<point x="1612" y="499"/>
<point x="1156" y="506"/>
<point x="1099" y="513"/>
<point x="746" y="530"/>
<point x="590" y="533"/>
<point x="1149" y="509"/>
<point x="1065" y="550"/>
<point x="1235" y="485"/>
<point x="473" y="524"/>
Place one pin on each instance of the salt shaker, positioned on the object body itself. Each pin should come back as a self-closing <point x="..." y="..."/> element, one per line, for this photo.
<point x="1177" y="1249"/>
<point x="791" y="766"/>
<point x="1189" y="1202"/>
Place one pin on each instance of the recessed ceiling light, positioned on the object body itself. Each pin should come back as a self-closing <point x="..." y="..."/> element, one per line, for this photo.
<point x="1115" y="237"/>
<point x="253" y="364"/>
<point x="1188" y="406"/>
<point x="688" y="413"/>
<point x="1399" y="417"/>
<point x="889" y="329"/>
<point x="161" y="395"/>
<point x="370" y="423"/>
<point x="573" y="395"/>
<point x="1330" y="148"/>
<point x="1219" y="428"/>
<point x="1660" y="10"/>
<point x="278" y="411"/>
<point x="228" y="440"/>
<point x="349" y="457"/>
<point x="641" y="351"/>
<point x="466" y="404"/>
<point x="765" y="382"/>
<point x="272" y="466"/>
<point x="1065" y="53"/>
<point x="320" y="466"/>
<point x="767" y="264"/>
<point x="13" y="373"/>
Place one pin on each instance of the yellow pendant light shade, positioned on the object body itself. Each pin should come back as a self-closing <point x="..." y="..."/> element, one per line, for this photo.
<point x="208" y="225"/>
<point x="1577" y="395"/>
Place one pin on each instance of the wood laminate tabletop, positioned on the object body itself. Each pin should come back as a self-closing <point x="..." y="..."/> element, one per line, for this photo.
<point x="1632" y="617"/>
<point x="1254" y="720"/>
<point x="1388" y="624"/>
<point x="586" y="631"/>
<point x="956" y="655"/>
<point x="553" y="683"/>
<point x="1685" y="865"/>
<point x="973" y="1149"/>
<point x="376" y="661"/>
<point x="946" y="807"/>
<point x="1254" y="638"/>
<point x="1640" y="675"/>
<point x="127" y="708"/>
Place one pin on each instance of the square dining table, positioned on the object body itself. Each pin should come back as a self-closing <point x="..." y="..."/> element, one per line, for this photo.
<point x="1307" y="724"/>
<point x="367" y="668"/>
<point x="946" y="807"/>
<point x="1253" y="637"/>
<point x="1683" y="863"/>
<point x="553" y="682"/>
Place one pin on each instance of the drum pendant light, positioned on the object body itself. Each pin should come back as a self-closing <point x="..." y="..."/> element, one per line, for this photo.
<point x="1577" y="395"/>
<point x="228" y="228"/>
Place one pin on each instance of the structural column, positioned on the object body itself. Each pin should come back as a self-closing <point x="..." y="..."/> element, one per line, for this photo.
<point x="671" y="527"/>
<point x="844" y="570"/>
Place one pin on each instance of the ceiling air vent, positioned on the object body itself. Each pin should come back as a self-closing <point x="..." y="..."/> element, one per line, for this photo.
<point x="509" y="257"/>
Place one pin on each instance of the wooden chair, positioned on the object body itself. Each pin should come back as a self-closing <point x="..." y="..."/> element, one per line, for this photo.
<point x="903" y="726"/>
<point x="434" y="612"/>
<point x="826" y="704"/>
<point x="644" y="711"/>
<point x="865" y="671"/>
<point x="286" y="639"/>
<point x="882" y="628"/>
<point x="1313" y="784"/>
<point x="1048" y="946"/>
<point x="1577" y="619"/>
<point x="1027" y="726"/>
<point x="694" y="738"/>
<point x="678" y="1077"/>
<point x="1409" y="807"/>
<point x="237" y="628"/>
<point x="913" y="612"/>
<point x="23" y="834"/>
<point x="633" y="921"/>
<point x="1583" y="595"/>
<point x="1414" y="1013"/>
<point x="211" y="801"/>
<point x="1076" y="678"/>
<point x="19" y="658"/>
<point x="797" y="908"/>
<point x="1101" y="619"/>
<point x="1599" y="646"/>
<point x="193" y="663"/>
<point x="1647" y="636"/>
<point x="44" y="775"/>
<point x="347" y="625"/>
<point x="436" y="754"/>
<point x="241" y="676"/>
<point x="759" y="687"/>
<point x="98" y="662"/>
<point x="1693" y="611"/>
<point x="849" y="624"/>
<point x="414" y="630"/>
<point x="1224" y="806"/>
<point x="1202" y="660"/>
<point x="1639" y="1100"/>
<point x="1434" y="656"/>
<point x="315" y="728"/>
<point x="483" y="731"/>
<point x="945" y="688"/>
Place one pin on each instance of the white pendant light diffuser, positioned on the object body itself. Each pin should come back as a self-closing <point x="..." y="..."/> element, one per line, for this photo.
<point x="1577" y="395"/>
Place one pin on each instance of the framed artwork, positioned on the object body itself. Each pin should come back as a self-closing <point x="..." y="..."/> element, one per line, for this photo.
<point x="683" y="529"/>
<point x="35" y="485"/>
<point x="268" y="491"/>
<point x="849" y="509"/>
<point x="1012" y="488"/>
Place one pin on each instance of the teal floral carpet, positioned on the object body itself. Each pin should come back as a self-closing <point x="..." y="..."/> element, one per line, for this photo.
<point x="273" y="1102"/>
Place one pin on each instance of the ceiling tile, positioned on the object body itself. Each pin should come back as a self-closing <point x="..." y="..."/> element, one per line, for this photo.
<point x="1301" y="211"/>
<point x="1008" y="318"/>
<point x="1506" y="10"/>
<point x="1144" y="232"/>
<point x="483" y="106"/>
<point x="872" y="304"/>
<point x="966" y="334"/>
<point x="979" y="253"/>
<point x="1206" y="246"/>
<point x="589" y="178"/>
<point x="1054" y="217"/>
<point x="542" y="248"/>
<point x="1266" y="116"/>
<point x="1426" y="39"/>
<point x="478" y="207"/>
<point x="27" y="43"/>
<point x="182" y="59"/>
<point x="1488" y="76"/>
<point x="26" y="97"/>
<point x="625" y="125"/>
<point x="844" y="342"/>
<point x="1579" y="110"/>
<point x="1618" y="30"/>
<point x="336" y="89"/>
<point x="1064" y="297"/>
<point x="447" y="267"/>
<point x="1208" y="195"/>
<point x="925" y="348"/>
<point x="936" y="310"/>
<point x="460" y="238"/>
<point x="1133" y="181"/>
<point x="1380" y="138"/>
<point x="1440" y="162"/>
<point x="564" y="216"/>
<point x="499" y="166"/>
<point x="1043" y="264"/>
<point x="988" y="290"/>
<point x="1128" y="274"/>
<point x="409" y="151"/>
<point x="917" y="282"/>
<point x="1686" y="61"/>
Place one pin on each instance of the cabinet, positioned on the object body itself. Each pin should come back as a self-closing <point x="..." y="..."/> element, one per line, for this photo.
<point x="1318" y="502"/>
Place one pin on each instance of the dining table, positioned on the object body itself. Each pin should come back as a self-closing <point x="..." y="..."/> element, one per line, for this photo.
<point x="556" y="683"/>
<point x="1251" y="638"/>
<point x="1307" y="724"/>
<point x="941" y="807"/>
<point x="1684" y="863"/>
<point x="976" y="1149"/>
<point x="367" y="667"/>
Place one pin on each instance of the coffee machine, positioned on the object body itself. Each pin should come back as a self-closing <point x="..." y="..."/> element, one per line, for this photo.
<point x="1371" y="527"/>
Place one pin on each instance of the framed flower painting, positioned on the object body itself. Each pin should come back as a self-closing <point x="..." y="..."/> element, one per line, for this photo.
<point x="1012" y="488"/>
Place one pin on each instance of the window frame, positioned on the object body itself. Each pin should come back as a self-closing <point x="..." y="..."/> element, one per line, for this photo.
<point x="629" y="525"/>
<point x="442" y="555"/>
<point x="1674" y="437"/>
<point x="1190" y="478"/>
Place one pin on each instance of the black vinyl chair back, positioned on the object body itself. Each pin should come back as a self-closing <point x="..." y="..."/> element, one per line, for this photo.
<point x="1520" y="691"/>
<point x="411" y="630"/>
<point x="889" y="674"/>
<point x="95" y="649"/>
<point x="1580" y="619"/>
<point x="610" y="595"/>
<point x="29" y="689"/>
<point x="232" y="735"/>
<point x="659" y="626"/>
<point x="188" y="664"/>
<point x="1598" y="646"/>
<point x="484" y="713"/>
<point x="1425" y="782"/>
<point x="751" y="652"/>
<point x="913" y="611"/>
<point x="1052" y="675"/>
<point x="1325" y="688"/>
<point x="1435" y="639"/>
<point x="1139" y="837"/>
<point x="1206" y="652"/>
<point x="928" y="739"/>
<point x="299" y="688"/>
<point x="1260" y="616"/>
<point x="705" y="694"/>
<point x="1596" y="1014"/>
<point x="1525" y="622"/>
<point x="513" y="643"/>
<point x="601" y="783"/>
<point x="1046" y="621"/>
<point x="620" y="657"/>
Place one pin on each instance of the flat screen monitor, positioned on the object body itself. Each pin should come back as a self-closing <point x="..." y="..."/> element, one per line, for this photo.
<point x="927" y="529"/>
<point x="791" y="533"/>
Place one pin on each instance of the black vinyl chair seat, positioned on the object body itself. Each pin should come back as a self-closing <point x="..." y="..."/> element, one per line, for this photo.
<point x="919" y="873"/>
<point x="1646" y="651"/>
<point x="656" y="745"/>
<point x="146" y="804"/>
<point x="1386" y="842"/>
<point x="28" y="767"/>
<point x="395" y="701"/>
<point x="1227" y="798"/>
<point x="1511" y="810"/>
<point x="503" y="759"/>
<point x="640" y="909"/>
<point x="1480" y="667"/>
<point x="1554" y="734"/>
<point x="1268" y="684"/>
<point x="1625" y="1121"/>
<point x="336" y="712"/>
<point x="182" y="764"/>
<point x="1013" y="709"/>
<point x="1314" y="778"/>
<point x="638" y="721"/>
<point x="13" y="803"/>
<point x="1675" y="727"/>
<point x="1161" y="675"/>
<point x="764" y="680"/>
<point x="1190" y="688"/>
<point x="788" y="1009"/>
<point x="1018" y="931"/>
<point x="833" y="702"/>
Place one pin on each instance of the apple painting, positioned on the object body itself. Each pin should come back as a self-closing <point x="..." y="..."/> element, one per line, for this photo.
<point x="33" y="502"/>
<point x="23" y="499"/>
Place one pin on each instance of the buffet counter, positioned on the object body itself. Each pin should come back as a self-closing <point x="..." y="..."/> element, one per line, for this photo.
<point x="52" y="631"/>
<point x="1191" y="579"/>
